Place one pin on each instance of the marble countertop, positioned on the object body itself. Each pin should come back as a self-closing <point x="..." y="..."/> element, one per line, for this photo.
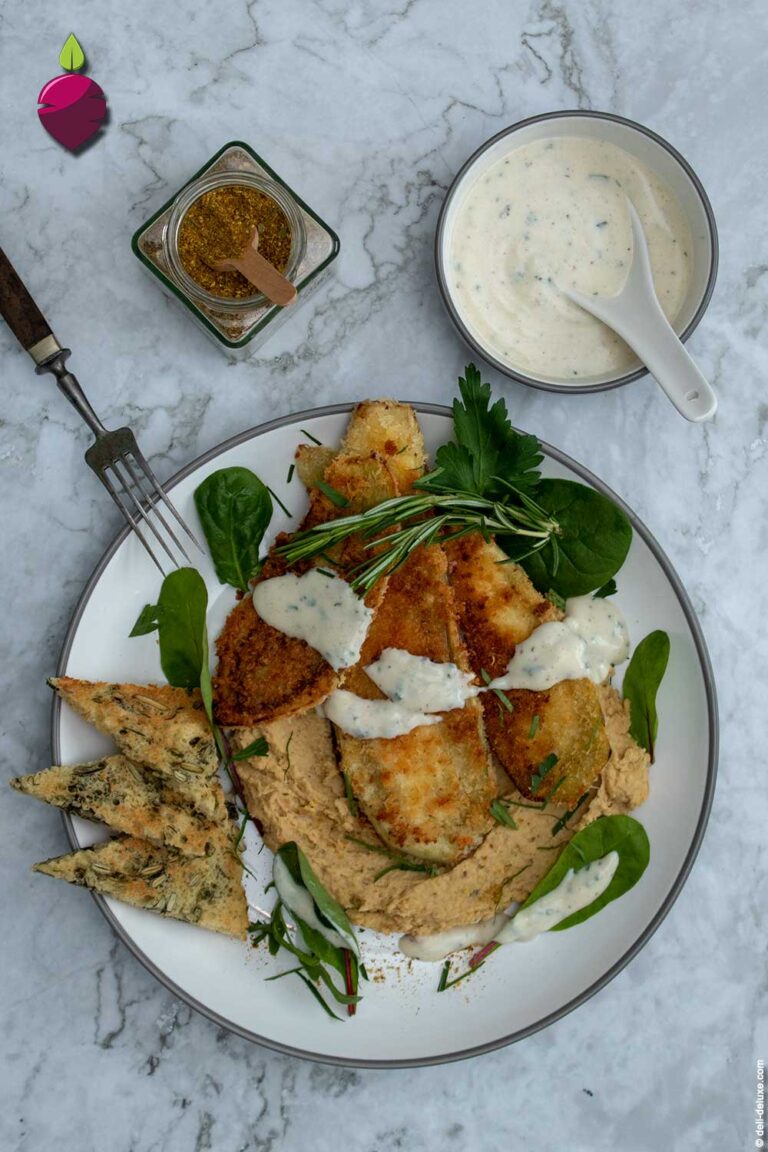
<point x="368" y="110"/>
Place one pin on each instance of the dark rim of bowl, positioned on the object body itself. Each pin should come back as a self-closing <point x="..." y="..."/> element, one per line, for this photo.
<point x="632" y="951"/>
<point x="499" y="365"/>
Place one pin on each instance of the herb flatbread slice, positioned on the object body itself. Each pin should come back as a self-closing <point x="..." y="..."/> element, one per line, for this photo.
<point x="163" y="728"/>
<point x="120" y="794"/>
<point x="207" y="891"/>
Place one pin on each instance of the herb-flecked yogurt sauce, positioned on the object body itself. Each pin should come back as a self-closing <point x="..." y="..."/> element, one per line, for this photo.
<point x="321" y="609"/>
<point x="586" y="644"/>
<point x="326" y="613"/>
<point x="552" y="213"/>
<point x="575" y="891"/>
<point x="591" y="638"/>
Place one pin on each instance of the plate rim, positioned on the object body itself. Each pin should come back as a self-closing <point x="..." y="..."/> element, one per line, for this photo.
<point x="520" y="1034"/>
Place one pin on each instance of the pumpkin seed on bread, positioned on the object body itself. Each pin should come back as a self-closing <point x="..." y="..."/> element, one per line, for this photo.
<point x="120" y="794"/>
<point x="161" y="727"/>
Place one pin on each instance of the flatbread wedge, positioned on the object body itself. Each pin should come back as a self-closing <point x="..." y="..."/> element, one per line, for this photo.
<point x="498" y="608"/>
<point x="163" y="728"/>
<point x="117" y="792"/>
<point x="206" y="891"/>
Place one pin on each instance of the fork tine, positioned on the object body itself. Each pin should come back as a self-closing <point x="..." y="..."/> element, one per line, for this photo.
<point x="151" y="497"/>
<point x="129" y="492"/>
<point x="157" y="486"/>
<point x="131" y="519"/>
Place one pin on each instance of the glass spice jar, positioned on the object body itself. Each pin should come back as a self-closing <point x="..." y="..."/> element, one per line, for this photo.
<point x="235" y="189"/>
<point x="239" y="299"/>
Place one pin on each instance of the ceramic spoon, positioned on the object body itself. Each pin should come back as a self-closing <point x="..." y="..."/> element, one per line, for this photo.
<point x="636" y="315"/>
<point x="259" y="272"/>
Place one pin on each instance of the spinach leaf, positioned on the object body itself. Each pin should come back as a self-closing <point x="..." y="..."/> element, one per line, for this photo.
<point x="489" y="454"/>
<point x="181" y="609"/>
<point x="235" y="509"/>
<point x="608" y="589"/>
<point x="591" y="546"/>
<point x="622" y="834"/>
<point x="146" y="622"/>
<point x="641" y="683"/>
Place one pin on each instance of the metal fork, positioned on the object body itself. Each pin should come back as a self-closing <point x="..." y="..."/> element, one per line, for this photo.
<point x="114" y="456"/>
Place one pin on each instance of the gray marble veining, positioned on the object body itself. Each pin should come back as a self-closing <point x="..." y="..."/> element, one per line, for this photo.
<point x="368" y="109"/>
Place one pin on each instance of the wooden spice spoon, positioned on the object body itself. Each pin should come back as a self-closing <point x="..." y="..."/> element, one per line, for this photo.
<point x="259" y="272"/>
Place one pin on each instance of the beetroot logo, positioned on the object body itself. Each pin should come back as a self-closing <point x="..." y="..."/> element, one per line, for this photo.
<point x="73" y="107"/>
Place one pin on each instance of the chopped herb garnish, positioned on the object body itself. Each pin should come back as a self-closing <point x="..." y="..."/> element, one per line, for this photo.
<point x="399" y="862"/>
<point x="291" y="471"/>
<point x="258" y="748"/>
<point x="351" y="802"/>
<point x="521" y="804"/>
<point x="241" y="831"/>
<point x="444" y="976"/>
<point x="503" y="699"/>
<point x="552" y="791"/>
<point x="446" y="983"/>
<point x="501" y="814"/>
<point x="556" y="599"/>
<point x="542" y="771"/>
<point x="534" y="727"/>
<point x="275" y="496"/>
<point x="608" y="589"/>
<point x="309" y="436"/>
<point x="560" y="824"/>
<point x="336" y="498"/>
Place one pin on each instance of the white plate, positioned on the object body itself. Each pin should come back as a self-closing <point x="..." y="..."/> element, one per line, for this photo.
<point x="402" y="1020"/>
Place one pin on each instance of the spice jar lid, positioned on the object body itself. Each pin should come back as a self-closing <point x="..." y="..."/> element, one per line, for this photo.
<point x="192" y="193"/>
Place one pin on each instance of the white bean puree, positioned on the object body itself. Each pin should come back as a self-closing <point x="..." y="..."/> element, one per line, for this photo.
<point x="552" y="213"/>
<point x="575" y="891"/>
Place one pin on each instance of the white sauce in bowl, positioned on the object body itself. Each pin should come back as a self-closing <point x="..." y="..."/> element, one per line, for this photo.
<point x="554" y="212"/>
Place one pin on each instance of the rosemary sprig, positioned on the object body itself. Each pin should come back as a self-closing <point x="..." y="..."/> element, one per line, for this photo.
<point x="394" y="529"/>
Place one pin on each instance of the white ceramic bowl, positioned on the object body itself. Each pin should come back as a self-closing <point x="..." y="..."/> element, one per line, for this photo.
<point x="652" y="151"/>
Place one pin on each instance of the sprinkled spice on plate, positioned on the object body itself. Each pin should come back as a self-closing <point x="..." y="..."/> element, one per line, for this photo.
<point x="220" y="223"/>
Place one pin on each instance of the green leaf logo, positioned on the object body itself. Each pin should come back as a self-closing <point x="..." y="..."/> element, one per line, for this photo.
<point x="71" y="57"/>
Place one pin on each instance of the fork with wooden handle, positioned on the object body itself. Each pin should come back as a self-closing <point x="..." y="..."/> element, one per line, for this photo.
<point x="113" y="456"/>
